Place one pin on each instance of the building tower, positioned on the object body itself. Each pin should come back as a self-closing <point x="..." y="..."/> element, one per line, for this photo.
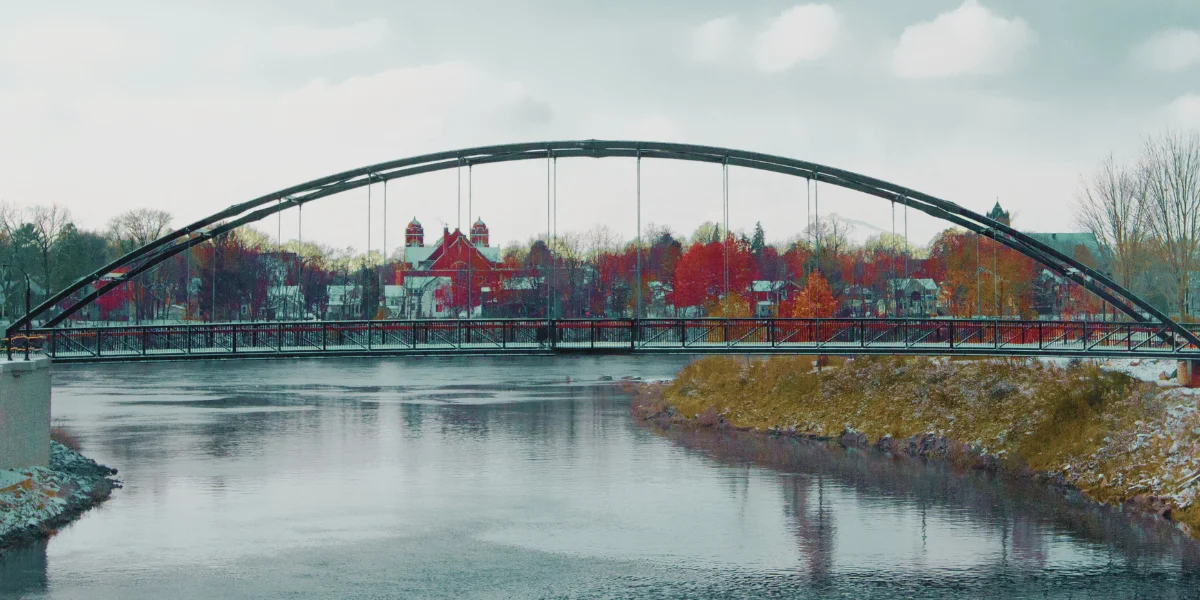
<point x="479" y="234"/>
<point x="1000" y="215"/>
<point x="414" y="235"/>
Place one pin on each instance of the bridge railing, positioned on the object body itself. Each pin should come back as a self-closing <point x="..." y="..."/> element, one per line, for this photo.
<point x="848" y="336"/>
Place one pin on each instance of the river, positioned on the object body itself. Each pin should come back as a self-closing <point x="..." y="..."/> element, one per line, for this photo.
<point x="525" y="477"/>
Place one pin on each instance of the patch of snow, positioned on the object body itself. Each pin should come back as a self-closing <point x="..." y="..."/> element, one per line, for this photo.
<point x="11" y="477"/>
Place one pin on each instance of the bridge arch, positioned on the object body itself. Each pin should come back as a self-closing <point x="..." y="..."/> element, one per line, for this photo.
<point x="141" y="259"/>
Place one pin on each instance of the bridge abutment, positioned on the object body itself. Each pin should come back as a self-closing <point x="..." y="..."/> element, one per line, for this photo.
<point x="24" y="413"/>
<point x="1188" y="373"/>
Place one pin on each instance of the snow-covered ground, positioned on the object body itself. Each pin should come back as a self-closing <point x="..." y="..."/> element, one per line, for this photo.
<point x="1161" y="372"/>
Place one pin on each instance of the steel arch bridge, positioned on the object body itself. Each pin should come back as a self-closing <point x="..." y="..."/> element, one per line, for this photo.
<point x="1149" y="330"/>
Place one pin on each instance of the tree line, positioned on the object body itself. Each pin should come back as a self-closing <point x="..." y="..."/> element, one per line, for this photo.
<point x="1145" y="213"/>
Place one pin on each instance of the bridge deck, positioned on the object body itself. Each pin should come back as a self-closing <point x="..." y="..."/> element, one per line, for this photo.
<point x="647" y="336"/>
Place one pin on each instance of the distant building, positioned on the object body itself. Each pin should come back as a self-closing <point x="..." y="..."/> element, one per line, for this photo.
<point x="285" y="301"/>
<point x="1082" y="247"/>
<point x="1000" y="215"/>
<point x="768" y="295"/>
<point x="414" y="234"/>
<point x="912" y="298"/>
<point x="434" y="275"/>
<point x="859" y="301"/>
<point x="344" y="301"/>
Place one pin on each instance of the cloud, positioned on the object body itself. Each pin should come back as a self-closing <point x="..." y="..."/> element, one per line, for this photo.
<point x="257" y="138"/>
<point x="306" y="41"/>
<point x="970" y="39"/>
<point x="286" y="42"/>
<point x="1169" y="50"/>
<point x="1185" y="111"/>
<point x="801" y="33"/>
<point x="712" y="41"/>
<point x="60" y="46"/>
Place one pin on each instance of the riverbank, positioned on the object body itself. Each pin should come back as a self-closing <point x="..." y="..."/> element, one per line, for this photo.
<point x="35" y="502"/>
<point x="1117" y="438"/>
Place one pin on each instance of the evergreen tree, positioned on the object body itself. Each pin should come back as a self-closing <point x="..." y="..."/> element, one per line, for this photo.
<point x="759" y="241"/>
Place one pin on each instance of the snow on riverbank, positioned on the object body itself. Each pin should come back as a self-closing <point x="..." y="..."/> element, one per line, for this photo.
<point x="35" y="501"/>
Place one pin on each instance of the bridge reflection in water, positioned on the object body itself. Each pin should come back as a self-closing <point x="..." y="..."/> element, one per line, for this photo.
<point x="651" y="336"/>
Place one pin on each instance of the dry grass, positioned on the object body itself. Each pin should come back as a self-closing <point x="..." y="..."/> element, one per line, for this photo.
<point x="1116" y="438"/>
<point x="64" y="436"/>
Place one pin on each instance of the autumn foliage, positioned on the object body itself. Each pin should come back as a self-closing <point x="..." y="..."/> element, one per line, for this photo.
<point x="815" y="300"/>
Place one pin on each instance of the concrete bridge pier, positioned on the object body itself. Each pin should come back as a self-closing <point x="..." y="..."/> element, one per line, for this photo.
<point x="24" y="413"/>
<point x="1188" y="373"/>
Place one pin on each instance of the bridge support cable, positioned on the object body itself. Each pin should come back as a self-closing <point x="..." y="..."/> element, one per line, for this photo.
<point x="892" y="259"/>
<point x="471" y="237"/>
<point x="638" y="240"/>
<point x="50" y="313"/>
<point x="213" y="283"/>
<point x="188" y="285"/>
<point x="554" y="268"/>
<point x="817" y="216"/>
<point x="546" y="267"/>
<point x="362" y="302"/>
<point x="300" y="303"/>
<point x="383" y="274"/>
<point x="725" y="222"/>
<point x="907" y="248"/>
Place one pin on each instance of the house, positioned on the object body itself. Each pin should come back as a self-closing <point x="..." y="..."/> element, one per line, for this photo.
<point x="767" y="296"/>
<point x="285" y="301"/>
<point x="1083" y="247"/>
<point x="859" y="301"/>
<point x="912" y="298"/>
<point x="345" y="301"/>
<point x="441" y="280"/>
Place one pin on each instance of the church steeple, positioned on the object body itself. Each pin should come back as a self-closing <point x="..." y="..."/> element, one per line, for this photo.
<point x="1000" y="215"/>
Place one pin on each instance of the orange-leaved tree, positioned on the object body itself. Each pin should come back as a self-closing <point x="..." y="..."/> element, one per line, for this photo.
<point x="815" y="300"/>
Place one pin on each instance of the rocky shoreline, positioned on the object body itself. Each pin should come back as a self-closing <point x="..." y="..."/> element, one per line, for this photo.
<point x="36" y="502"/>
<point x="1094" y="471"/>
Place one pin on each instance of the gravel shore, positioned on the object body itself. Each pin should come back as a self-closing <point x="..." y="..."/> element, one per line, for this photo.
<point x="35" y="502"/>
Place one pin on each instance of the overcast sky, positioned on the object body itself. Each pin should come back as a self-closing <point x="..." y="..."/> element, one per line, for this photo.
<point x="191" y="107"/>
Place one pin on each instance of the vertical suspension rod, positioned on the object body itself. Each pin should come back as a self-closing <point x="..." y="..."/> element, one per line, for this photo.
<point x="638" y="240"/>
<point x="725" y="219"/>
<point x="471" y="237"/>
<point x="546" y="274"/>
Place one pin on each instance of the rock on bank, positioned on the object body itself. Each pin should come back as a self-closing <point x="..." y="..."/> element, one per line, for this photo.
<point x="36" y="501"/>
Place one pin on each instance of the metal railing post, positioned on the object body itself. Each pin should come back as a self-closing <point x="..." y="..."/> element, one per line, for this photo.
<point x="633" y="323"/>
<point x="951" y="335"/>
<point x="279" y="336"/>
<point x="145" y="332"/>
<point x="188" y="333"/>
<point x="233" y="335"/>
<point x="368" y="336"/>
<point x="99" y="332"/>
<point x="324" y="336"/>
<point x="862" y="334"/>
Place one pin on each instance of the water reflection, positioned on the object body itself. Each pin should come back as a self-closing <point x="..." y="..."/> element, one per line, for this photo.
<point x="497" y="478"/>
<point x="1012" y="525"/>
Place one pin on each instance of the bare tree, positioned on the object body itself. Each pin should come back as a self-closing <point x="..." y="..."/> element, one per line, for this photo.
<point x="1170" y="171"/>
<point x="49" y="225"/>
<point x="135" y="228"/>
<point x="1112" y="206"/>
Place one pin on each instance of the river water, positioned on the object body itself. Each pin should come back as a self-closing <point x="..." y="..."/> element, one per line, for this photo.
<point x="525" y="478"/>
